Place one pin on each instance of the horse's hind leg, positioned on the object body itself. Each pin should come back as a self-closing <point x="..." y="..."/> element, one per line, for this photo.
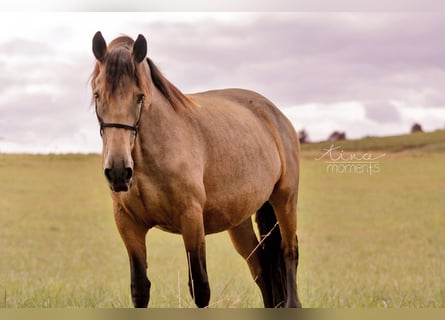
<point x="284" y="203"/>
<point x="246" y="244"/>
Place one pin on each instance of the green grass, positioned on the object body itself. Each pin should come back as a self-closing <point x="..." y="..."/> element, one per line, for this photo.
<point x="374" y="241"/>
<point x="365" y="240"/>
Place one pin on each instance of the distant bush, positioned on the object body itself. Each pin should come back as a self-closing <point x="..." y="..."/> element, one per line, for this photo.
<point x="416" y="128"/>
<point x="303" y="136"/>
<point x="337" y="136"/>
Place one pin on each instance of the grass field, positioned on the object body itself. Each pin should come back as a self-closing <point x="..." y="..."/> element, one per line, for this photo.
<point x="366" y="240"/>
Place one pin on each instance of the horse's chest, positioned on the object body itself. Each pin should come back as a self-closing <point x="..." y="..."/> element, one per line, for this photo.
<point x="147" y="204"/>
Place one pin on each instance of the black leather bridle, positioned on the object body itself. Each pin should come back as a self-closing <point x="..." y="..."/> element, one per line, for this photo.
<point x="133" y="128"/>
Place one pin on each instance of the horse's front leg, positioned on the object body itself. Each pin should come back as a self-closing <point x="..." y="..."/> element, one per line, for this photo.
<point x="192" y="228"/>
<point x="133" y="234"/>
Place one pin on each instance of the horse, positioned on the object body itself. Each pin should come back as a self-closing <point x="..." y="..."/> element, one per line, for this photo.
<point x="194" y="165"/>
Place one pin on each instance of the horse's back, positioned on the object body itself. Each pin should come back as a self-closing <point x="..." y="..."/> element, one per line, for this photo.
<point x="260" y="106"/>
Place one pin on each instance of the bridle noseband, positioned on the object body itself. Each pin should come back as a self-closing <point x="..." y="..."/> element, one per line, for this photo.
<point x="120" y="126"/>
<point x="133" y="128"/>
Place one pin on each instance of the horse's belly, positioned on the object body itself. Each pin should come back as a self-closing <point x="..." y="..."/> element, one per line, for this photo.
<point x="235" y="197"/>
<point x="227" y="211"/>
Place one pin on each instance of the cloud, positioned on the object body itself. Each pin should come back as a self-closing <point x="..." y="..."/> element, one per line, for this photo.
<point x="380" y="67"/>
<point x="43" y="99"/>
<point x="382" y="112"/>
<point x="304" y="58"/>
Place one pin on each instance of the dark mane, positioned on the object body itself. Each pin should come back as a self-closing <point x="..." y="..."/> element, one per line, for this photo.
<point x="176" y="98"/>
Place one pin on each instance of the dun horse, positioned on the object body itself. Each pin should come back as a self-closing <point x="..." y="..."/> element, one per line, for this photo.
<point x="194" y="165"/>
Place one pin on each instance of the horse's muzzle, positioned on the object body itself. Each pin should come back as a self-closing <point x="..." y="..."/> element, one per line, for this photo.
<point x="119" y="179"/>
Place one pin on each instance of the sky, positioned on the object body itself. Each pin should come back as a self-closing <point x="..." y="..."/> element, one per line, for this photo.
<point x="366" y="73"/>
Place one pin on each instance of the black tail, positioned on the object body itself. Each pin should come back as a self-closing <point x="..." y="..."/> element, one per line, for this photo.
<point x="272" y="261"/>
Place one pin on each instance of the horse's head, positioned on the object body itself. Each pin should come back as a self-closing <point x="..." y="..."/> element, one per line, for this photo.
<point x="120" y="87"/>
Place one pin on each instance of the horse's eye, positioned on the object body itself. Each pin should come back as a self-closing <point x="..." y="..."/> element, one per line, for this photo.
<point x="140" y="98"/>
<point x="96" y="95"/>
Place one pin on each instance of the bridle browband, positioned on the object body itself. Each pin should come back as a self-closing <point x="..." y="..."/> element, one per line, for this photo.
<point x="133" y="128"/>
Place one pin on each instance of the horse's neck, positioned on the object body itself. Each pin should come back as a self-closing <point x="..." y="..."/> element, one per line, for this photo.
<point x="160" y="126"/>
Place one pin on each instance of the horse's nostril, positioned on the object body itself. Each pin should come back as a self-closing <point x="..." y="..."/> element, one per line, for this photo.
<point x="118" y="176"/>
<point x="107" y="173"/>
<point x="129" y="173"/>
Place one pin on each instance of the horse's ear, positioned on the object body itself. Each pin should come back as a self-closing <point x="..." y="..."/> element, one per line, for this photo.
<point x="140" y="49"/>
<point x="99" y="47"/>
